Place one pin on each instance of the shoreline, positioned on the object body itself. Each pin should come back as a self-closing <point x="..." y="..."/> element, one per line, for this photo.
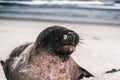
<point x="60" y="21"/>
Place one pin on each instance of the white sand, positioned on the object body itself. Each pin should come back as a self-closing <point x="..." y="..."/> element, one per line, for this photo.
<point x="99" y="52"/>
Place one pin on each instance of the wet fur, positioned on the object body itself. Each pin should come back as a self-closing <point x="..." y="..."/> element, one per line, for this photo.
<point x="38" y="61"/>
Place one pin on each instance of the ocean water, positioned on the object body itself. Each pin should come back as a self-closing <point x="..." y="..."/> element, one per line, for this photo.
<point x="70" y="11"/>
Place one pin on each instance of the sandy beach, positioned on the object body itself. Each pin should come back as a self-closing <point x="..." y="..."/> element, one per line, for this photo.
<point x="99" y="51"/>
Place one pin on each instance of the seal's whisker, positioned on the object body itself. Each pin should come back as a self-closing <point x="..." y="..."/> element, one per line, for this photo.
<point x="81" y="41"/>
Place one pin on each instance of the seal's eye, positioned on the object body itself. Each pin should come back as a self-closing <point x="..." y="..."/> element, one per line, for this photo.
<point x="68" y="36"/>
<point x="65" y="37"/>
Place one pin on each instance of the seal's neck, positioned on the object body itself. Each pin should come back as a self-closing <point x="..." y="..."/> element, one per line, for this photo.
<point x="49" y="53"/>
<point x="62" y="56"/>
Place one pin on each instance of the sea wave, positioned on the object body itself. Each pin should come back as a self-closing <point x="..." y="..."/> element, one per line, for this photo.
<point x="61" y="4"/>
<point x="61" y="11"/>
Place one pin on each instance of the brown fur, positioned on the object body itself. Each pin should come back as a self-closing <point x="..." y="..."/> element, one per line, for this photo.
<point x="46" y="59"/>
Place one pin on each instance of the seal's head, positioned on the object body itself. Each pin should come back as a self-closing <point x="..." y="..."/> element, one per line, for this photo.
<point x="58" y="40"/>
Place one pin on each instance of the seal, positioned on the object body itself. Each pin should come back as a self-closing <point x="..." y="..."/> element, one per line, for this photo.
<point x="48" y="58"/>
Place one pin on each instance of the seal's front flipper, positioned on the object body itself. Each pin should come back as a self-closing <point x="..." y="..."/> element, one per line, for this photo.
<point x="5" y="69"/>
<point x="84" y="73"/>
<point x="2" y="63"/>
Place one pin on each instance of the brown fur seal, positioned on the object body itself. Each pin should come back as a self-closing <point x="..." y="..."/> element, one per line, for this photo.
<point x="48" y="58"/>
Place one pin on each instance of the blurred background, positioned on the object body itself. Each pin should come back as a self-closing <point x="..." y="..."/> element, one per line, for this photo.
<point x="90" y="11"/>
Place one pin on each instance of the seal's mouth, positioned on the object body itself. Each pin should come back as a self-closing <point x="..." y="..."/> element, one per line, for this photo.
<point x="66" y="49"/>
<point x="70" y="48"/>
